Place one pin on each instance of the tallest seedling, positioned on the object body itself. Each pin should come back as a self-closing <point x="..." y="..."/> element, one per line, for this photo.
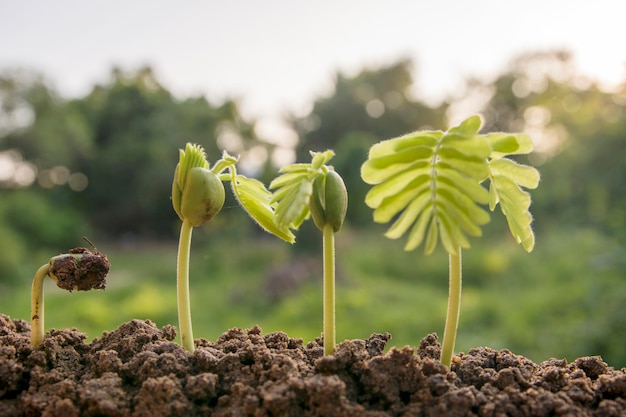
<point x="430" y="184"/>
<point x="197" y="196"/>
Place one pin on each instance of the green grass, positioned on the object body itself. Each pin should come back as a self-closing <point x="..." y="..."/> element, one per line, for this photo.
<point x="565" y="299"/>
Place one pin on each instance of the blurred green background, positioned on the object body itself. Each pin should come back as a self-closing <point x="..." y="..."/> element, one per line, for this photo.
<point x="101" y="166"/>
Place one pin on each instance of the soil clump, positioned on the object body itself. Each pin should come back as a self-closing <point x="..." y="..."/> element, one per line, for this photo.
<point x="137" y="370"/>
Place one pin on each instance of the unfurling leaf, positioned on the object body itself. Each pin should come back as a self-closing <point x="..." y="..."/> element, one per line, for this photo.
<point x="292" y="203"/>
<point x="255" y="200"/>
<point x="293" y="189"/>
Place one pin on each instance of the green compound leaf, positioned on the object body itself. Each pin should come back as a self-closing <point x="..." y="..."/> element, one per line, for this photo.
<point x="294" y="187"/>
<point x="469" y="126"/>
<point x="507" y="178"/>
<point x="393" y="156"/>
<point x="430" y="183"/>
<point x="256" y="201"/>
<point x="503" y="144"/>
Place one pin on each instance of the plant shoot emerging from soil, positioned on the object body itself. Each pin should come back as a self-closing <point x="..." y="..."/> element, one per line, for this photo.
<point x="430" y="184"/>
<point x="315" y="190"/>
<point x="197" y="196"/>
<point x="79" y="269"/>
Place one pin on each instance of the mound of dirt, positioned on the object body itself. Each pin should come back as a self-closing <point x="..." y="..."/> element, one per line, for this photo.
<point x="138" y="371"/>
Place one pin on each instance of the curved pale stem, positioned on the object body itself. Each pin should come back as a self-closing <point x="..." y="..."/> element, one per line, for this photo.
<point x="36" y="306"/>
<point x="329" y="289"/>
<point x="182" y="278"/>
<point x="454" y="308"/>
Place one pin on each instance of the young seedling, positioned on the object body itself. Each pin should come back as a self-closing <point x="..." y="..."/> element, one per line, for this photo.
<point x="315" y="190"/>
<point x="197" y="196"/>
<point x="429" y="183"/>
<point x="79" y="269"/>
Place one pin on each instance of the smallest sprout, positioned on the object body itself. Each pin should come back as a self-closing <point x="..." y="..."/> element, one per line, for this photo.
<point x="79" y="269"/>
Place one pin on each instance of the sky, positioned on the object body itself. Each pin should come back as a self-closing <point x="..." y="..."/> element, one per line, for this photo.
<point x="277" y="56"/>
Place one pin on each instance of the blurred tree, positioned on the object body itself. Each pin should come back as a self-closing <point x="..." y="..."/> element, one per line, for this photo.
<point x="117" y="146"/>
<point x="38" y="140"/>
<point x="38" y="123"/>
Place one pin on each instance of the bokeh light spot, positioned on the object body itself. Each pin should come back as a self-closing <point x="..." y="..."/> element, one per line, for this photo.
<point x="78" y="181"/>
<point x="375" y="108"/>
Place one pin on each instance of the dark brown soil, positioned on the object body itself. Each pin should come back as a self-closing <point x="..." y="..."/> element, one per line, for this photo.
<point x="88" y="274"/>
<point x="138" y="371"/>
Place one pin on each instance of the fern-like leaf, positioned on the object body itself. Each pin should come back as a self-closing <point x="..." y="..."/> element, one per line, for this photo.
<point x="507" y="179"/>
<point x="430" y="183"/>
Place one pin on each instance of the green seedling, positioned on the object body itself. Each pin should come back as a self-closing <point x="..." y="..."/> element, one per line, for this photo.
<point x="315" y="190"/>
<point x="197" y="196"/>
<point x="430" y="184"/>
<point x="79" y="269"/>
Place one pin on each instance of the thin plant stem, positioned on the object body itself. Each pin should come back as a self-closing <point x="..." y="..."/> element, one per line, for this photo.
<point x="454" y="308"/>
<point x="184" y="304"/>
<point x="36" y="306"/>
<point x="329" y="289"/>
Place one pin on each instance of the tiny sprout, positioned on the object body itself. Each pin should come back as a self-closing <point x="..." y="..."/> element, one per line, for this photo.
<point x="315" y="190"/>
<point x="197" y="196"/>
<point x="79" y="269"/>
<point x="430" y="184"/>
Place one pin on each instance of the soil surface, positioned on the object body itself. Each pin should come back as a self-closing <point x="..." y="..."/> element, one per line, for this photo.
<point x="138" y="371"/>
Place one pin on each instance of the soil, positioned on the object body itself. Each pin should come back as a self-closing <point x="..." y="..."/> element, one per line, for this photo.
<point x="88" y="274"/>
<point x="137" y="370"/>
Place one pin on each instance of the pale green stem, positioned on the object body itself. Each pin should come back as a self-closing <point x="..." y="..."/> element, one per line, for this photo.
<point x="182" y="278"/>
<point x="454" y="308"/>
<point x="329" y="289"/>
<point x="36" y="298"/>
<point x="36" y="306"/>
